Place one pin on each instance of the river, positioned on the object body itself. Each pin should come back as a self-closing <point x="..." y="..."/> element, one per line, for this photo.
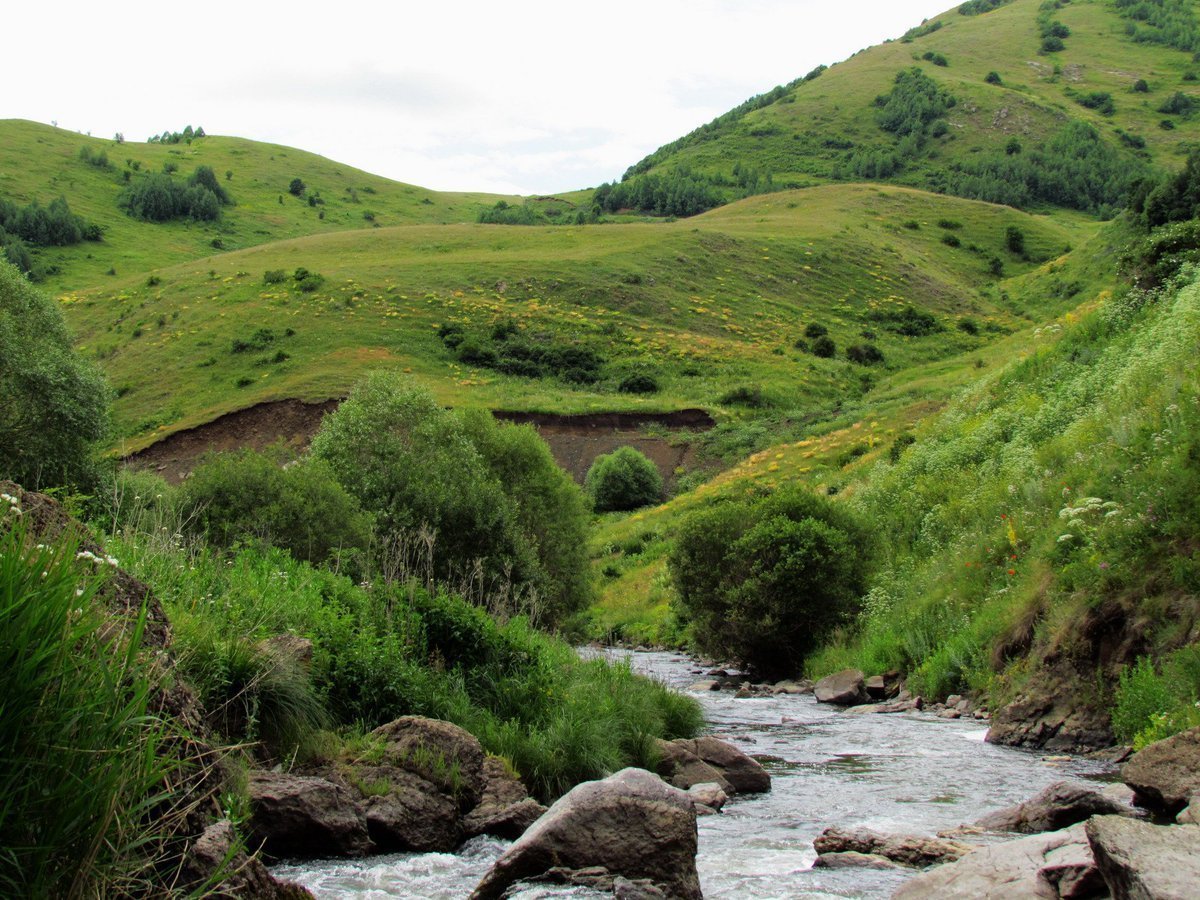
<point x="909" y="772"/>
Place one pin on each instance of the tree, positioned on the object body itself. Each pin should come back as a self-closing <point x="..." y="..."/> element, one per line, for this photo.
<point x="413" y="464"/>
<point x="53" y="404"/>
<point x="765" y="579"/>
<point x="623" y="479"/>
<point x="297" y="188"/>
<point x="243" y="496"/>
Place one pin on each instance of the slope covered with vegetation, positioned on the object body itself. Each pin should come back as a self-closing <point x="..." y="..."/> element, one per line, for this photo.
<point x="714" y="310"/>
<point x="272" y="193"/>
<point x="1033" y="103"/>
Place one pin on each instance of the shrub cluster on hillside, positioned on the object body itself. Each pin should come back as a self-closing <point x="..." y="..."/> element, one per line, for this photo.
<point x="1074" y="168"/>
<point x="1171" y="23"/>
<point x="53" y="225"/>
<point x="157" y="197"/>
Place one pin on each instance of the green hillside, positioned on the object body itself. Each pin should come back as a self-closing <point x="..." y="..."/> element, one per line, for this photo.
<point x="41" y="163"/>
<point x="712" y="309"/>
<point x="830" y="126"/>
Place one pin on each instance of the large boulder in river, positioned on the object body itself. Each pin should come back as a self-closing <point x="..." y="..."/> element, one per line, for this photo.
<point x="302" y="816"/>
<point x="1060" y="805"/>
<point x="1049" y="865"/>
<point x="906" y="849"/>
<point x="406" y="812"/>
<point x="439" y="752"/>
<point x="1146" y="862"/>
<point x="683" y="769"/>
<point x="1166" y="774"/>
<point x="845" y="688"/>
<point x="632" y="824"/>
<point x="743" y="774"/>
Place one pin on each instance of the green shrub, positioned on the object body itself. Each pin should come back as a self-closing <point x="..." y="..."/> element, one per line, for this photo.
<point x="816" y="329"/>
<point x="750" y="395"/>
<point x="1178" y="104"/>
<point x="243" y="496"/>
<point x="638" y="383"/>
<point x="297" y="187"/>
<point x="765" y="580"/>
<point x="823" y="347"/>
<point x="417" y="466"/>
<point x="1140" y="86"/>
<point x="624" y="479"/>
<point x="993" y="78"/>
<point x="53" y="404"/>
<point x="274" y="276"/>
<point x="1101" y="101"/>
<point x="1014" y="240"/>
<point x="864" y="354"/>
<point x="951" y="240"/>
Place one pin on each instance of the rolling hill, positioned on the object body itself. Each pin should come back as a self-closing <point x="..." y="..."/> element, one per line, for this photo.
<point x="711" y="308"/>
<point x="41" y="163"/>
<point x="1008" y="97"/>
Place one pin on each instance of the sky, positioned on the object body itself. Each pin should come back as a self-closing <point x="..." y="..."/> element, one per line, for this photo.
<point x="521" y="97"/>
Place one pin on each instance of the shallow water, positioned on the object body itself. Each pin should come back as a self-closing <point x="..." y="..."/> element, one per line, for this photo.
<point x="907" y="772"/>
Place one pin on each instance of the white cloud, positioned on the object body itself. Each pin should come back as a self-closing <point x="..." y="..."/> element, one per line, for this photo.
<point x="528" y="96"/>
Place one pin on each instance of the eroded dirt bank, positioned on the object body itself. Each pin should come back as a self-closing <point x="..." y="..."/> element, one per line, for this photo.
<point x="575" y="441"/>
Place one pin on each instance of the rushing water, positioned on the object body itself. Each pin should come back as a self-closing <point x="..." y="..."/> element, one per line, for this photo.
<point x="909" y="772"/>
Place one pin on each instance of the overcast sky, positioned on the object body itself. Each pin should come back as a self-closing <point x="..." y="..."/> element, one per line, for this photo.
<point x="518" y="97"/>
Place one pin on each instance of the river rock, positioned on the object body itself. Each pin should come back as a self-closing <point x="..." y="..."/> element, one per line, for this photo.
<point x="304" y="816"/>
<point x="505" y="809"/>
<point x="710" y="684"/>
<point x="1141" y="861"/>
<point x="876" y="687"/>
<point x="1048" y="865"/>
<point x="789" y="687"/>
<point x="682" y="768"/>
<point x="1060" y="805"/>
<point x="215" y="855"/>
<point x="710" y="796"/>
<point x="735" y="768"/>
<point x="1190" y="815"/>
<point x="633" y="824"/>
<point x="849" y="859"/>
<point x="845" y="688"/>
<point x="442" y="753"/>
<point x="907" y="849"/>
<point x="1166" y="774"/>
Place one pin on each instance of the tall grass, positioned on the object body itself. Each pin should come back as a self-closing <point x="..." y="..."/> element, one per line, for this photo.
<point x="86" y="802"/>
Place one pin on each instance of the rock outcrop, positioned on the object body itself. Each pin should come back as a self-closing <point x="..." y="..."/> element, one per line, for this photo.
<point x="845" y="688"/>
<point x="633" y="825"/>
<point x="1049" y="865"/>
<point x="1165" y="775"/>
<point x="911" y="850"/>
<point x="1059" y="806"/>
<point x="1141" y="861"/>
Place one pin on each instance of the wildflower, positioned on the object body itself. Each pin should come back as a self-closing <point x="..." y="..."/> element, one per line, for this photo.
<point x="1012" y="571"/>
<point x="1103" y="565"/>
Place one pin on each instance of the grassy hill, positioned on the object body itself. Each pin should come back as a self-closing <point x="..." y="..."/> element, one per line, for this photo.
<point x="827" y="126"/>
<point x="40" y="163"/>
<point x="711" y="308"/>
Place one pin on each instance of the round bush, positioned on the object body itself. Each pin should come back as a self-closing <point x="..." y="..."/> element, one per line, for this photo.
<point x="624" y="479"/>
<point x="764" y="580"/>
<point x="638" y="384"/>
<point x="824" y="347"/>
